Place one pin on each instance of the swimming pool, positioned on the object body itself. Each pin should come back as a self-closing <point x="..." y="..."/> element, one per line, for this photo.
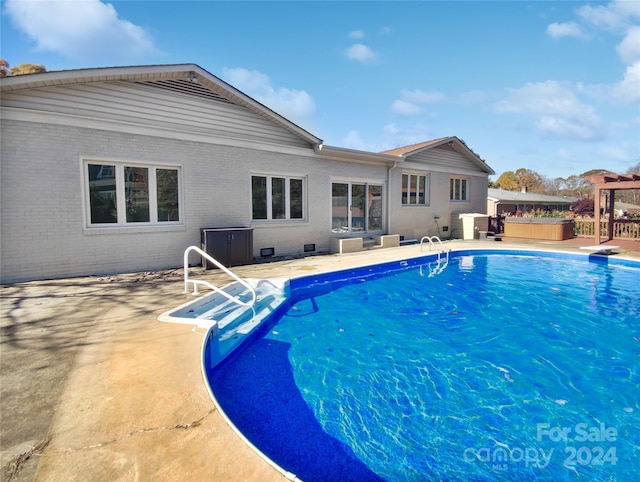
<point x="496" y="365"/>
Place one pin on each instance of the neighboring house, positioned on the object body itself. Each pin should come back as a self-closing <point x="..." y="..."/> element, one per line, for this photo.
<point x="118" y="169"/>
<point x="501" y="201"/>
<point x="626" y="208"/>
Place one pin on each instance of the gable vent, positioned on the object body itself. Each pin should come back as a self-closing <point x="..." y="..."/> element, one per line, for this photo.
<point x="185" y="87"/>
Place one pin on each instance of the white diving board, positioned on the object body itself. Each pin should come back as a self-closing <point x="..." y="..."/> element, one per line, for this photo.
<point x="600" y="249"/>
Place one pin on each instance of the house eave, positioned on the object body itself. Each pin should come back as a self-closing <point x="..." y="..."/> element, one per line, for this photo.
<point x="354" y="155"/>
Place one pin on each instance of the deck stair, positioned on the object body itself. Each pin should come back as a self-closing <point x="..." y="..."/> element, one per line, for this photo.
<point x="355" y="244"/>
<point x="370" y="243"/>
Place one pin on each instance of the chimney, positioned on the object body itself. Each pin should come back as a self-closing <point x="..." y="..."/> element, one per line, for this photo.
<point x="523" y="189"/>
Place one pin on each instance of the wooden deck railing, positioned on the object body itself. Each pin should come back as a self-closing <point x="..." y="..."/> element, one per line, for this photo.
<point x="622" y="228"/>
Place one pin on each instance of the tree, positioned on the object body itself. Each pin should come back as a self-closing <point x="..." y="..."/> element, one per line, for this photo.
<point x="530" y="179"/>
<point x="508" y="181"/>
<point x="631" y="196"/>
<point x="596" y="172"/>
<point x="23" y="69"/>
<point x="577" y="186"/>
<point x="521" y="178"/>
<point x="553" y="187"/>
<point x="4" y="68"/>
<point x="583" y="207"/>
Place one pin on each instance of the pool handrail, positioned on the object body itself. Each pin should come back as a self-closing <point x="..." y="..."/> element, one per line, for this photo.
<point x="441" y="252"/>
<point x="431" y="240"/>
<point x="197" y="282"/>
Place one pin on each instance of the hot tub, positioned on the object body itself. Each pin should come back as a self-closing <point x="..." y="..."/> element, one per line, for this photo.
<point x="555" y="229"/>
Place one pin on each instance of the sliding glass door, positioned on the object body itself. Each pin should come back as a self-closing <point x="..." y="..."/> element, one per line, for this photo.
<point x="356" y="207"/>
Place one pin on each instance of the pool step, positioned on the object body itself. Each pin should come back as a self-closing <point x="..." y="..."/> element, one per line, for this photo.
<point x="226" y="321"/>
<point x="236" y="325"/>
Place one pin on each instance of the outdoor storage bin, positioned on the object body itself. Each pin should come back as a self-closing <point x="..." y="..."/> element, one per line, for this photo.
<point x="229" y="246"/>
<point x="473" y="223"/>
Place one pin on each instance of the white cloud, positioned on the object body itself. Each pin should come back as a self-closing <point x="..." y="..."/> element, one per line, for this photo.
<point x="628" y="89"/>
<point x="395" y="136"/>
<point x="616" y="152"/>
<point x="566" y="29"/>
<point x="421" y="97"/>
<point x="567" y="128"/>
<point x="295" y="105"/>
<point x="391" y="129"/>
<point x="406" y="108"/>
<point x="621" y="17"/>
<point x="392" y="136"/>
<point x="615" y="16"/>
<point x="472" y="97"/>
<point x="361" y="53"/>
<point x="251" y="82"/>
<point x="356" y="34"/>
<point x="556" y="110"/>
<point x="629" y="48"/>
<point x="411" y="101"/>
<point x="84" y="30"/>
<point x="354" y="141"/>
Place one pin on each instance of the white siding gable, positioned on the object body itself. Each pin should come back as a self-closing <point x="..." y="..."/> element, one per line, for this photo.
<point x="174" y="104"/>
<point x="445" y="159"/>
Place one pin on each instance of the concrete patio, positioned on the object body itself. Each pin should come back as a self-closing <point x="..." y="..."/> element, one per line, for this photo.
<point x="93" y="387"/>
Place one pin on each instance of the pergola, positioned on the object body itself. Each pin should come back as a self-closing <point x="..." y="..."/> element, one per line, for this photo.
<point x="610" y="182"/>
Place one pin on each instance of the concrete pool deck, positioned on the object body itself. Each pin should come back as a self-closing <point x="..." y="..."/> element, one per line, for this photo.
<point x="93" y="387"/>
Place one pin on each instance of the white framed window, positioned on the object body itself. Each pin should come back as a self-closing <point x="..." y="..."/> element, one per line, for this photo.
<point x="277" y="197"/>
<point x="415" y="189"/>
<point x="356" y="206"/>
<point x="121" y="194"/>
<point x="458" y="189"/>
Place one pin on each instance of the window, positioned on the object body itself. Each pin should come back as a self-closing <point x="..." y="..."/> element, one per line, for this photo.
<point x="458" y="189"/>
<point x="121" y="194"/>
<point x="274" y="197"/>
<point x="356" y="207"/>
<point x="415" y="189"/>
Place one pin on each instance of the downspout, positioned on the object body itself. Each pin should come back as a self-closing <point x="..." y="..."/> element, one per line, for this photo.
<point x="388" y="227"/>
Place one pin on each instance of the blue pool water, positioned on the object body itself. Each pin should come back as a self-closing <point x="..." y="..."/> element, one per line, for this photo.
<point x="498" y="367"/>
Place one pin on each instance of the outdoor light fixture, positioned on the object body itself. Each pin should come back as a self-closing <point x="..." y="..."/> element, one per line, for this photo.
<point x="192" y="76"/>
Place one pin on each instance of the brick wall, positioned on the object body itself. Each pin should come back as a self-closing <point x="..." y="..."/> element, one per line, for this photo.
<point x="43" y="227"/>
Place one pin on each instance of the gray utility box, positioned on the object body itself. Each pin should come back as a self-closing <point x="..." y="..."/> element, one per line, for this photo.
<point x="229" y="246"/>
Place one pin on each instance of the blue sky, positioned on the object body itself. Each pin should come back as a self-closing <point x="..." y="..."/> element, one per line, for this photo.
<point x="552" y="86"/>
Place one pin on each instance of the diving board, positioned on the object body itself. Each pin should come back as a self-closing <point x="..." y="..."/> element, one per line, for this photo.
<point x="600" y="249"/>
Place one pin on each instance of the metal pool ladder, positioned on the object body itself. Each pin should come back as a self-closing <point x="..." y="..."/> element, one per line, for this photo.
<point x="432" y="240"/>
<point x="196" y="282"/>
<point x="443" y="256"/>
